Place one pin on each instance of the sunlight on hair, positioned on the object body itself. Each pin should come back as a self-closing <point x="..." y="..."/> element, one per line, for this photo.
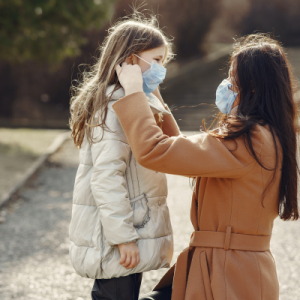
<point x="132" y="34"/>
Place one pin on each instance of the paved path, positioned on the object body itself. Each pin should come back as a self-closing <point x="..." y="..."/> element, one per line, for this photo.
<point x="34" y="261"/>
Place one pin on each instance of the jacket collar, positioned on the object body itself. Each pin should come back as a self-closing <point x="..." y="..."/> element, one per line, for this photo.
<point x="154" y="103"/>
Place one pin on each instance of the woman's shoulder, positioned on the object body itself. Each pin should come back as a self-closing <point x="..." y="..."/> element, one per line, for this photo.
<point x="268" y="138"/>
<point x="263" y="134"/>
<point x="262" y="142"/>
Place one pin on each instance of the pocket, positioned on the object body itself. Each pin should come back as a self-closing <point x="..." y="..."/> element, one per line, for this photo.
<point x="141" y="211"/>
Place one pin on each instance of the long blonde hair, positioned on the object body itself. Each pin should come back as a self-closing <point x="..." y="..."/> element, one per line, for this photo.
<point x="131" y="36"/>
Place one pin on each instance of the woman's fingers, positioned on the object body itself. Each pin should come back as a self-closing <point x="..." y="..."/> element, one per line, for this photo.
<point x="130" y="77"/>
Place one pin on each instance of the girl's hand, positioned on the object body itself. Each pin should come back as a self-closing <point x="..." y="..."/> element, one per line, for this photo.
<point x="130" y="77"/>
<point x="130" y="255"/>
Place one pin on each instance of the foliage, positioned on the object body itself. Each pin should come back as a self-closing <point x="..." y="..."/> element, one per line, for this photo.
<point x="47" y="30"/>
<point x="38" y="32"/>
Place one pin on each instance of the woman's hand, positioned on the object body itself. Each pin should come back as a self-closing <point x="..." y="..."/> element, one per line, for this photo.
<point x="130" y="77"/>
<point x="130" y="255"/>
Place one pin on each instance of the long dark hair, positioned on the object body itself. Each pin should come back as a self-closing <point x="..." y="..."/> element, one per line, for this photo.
<point x="266" y="86"/>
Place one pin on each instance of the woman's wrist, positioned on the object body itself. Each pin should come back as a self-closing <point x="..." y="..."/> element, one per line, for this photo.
<point x="133" y="89"/>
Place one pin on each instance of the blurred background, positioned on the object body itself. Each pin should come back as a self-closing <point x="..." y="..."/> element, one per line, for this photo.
<point x="43" y="43"/>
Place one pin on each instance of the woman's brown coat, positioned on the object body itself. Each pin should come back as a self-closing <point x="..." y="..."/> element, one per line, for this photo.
<point x="228" y="198"/>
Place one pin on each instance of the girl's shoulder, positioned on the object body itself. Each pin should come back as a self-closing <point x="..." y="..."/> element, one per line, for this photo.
<point x="154" y="103"/>
<point x="112" y="129"/>
<point x="114" y="95"/>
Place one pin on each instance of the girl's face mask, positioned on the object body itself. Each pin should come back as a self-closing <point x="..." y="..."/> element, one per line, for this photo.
<point x="225" y="96"/>
<point x="153" y="76"/>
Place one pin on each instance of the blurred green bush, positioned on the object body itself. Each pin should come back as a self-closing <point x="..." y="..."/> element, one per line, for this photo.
<point x="44" y="41"/>
<point x="47" y="30"/>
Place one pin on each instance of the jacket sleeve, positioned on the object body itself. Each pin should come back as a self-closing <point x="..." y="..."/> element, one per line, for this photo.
<point x="108" y="184"/>
<point x="198" y="155"/>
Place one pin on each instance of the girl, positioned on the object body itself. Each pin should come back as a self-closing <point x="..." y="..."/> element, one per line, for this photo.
<point x="246" y="174"/>
<point x="120" y="223"/>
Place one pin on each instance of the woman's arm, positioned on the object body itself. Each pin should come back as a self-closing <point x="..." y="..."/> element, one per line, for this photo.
<point x="198" y="155"/>
<point x="169" y="126"/>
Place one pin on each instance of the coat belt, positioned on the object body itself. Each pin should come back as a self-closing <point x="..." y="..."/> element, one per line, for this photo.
<point x="230" y="241"/>
<point x="194" y="284"/>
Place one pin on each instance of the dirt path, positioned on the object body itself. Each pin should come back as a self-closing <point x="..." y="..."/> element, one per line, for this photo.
<point x="34" y="260"/>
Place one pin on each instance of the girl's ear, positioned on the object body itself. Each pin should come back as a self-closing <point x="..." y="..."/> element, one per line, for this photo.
<point x="130" y="60"/>
<point x="134" y="60"/>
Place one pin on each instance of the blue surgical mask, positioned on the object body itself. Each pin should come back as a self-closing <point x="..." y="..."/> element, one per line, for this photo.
<point x="225" y="96"/>
<point x="153" y="76"/>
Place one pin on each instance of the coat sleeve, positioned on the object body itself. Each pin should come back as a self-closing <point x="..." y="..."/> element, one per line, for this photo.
<point x="198" y="155"/>
<point x="169" y="126"/>
<point x="108" y="184"/>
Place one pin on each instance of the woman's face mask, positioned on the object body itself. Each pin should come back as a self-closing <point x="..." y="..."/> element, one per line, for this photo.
<point x="225" y="96"/>
<point x="152" y="77"/>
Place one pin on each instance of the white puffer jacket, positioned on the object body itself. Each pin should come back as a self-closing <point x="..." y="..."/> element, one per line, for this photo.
<point x="116" y="201"/>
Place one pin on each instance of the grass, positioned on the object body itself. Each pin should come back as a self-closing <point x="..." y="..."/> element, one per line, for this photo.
<point x="19" y="148"/>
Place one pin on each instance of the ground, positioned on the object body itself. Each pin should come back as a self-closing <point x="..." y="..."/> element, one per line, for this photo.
<point x="34" y="260"/>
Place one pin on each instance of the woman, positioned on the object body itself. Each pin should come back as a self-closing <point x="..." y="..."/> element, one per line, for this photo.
<point x="246" y="173"/>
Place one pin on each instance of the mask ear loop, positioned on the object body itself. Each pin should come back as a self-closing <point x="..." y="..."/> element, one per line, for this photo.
<point x="142" y="59"/>
<point x="230" y="88"/>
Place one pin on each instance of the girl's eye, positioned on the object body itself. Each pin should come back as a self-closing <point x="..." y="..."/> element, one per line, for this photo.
<point x="157" y="59"/>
